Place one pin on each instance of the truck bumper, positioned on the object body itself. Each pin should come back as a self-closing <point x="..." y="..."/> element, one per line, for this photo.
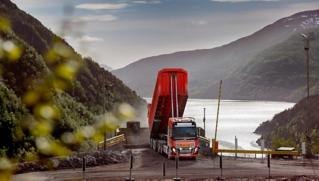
<point x="185" y="156"/>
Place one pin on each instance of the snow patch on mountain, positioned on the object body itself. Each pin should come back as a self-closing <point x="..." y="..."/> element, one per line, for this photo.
<point x="301" y="21"/>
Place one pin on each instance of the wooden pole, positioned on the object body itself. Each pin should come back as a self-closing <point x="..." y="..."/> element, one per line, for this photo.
<point x="104" y="111"/>
<point x="220" y="92"/>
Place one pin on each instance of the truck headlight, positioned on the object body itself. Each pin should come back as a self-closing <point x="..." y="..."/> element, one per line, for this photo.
<point x="174" y="150"/>
<point x="195" y="150"/>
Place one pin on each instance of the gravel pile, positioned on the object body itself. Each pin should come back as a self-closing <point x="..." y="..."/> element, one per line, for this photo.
<point x="95" y="158"/>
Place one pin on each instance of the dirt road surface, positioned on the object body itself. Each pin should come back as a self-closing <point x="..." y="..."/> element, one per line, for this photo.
<point x="148" y="165"/>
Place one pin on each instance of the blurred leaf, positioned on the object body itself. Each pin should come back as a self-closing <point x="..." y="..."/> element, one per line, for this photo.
<point x="6" y="169"/>
<point x="31" y="98"/>
<point x="126" y="111"/>
<point x="4" y="24"/>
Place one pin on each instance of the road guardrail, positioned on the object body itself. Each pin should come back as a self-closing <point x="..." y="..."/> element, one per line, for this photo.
<point x="266" y="152"/>
<point x="112" y="141"/>
<point x="203" y="139"/>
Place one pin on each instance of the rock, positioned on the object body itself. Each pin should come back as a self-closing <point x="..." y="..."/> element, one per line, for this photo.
<point x="55" y="163"/>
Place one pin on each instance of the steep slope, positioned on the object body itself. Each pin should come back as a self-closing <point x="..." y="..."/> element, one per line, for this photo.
<point x="207" y="67"/>
<point x="292" y="124"/>
<point x="278" y="73"/>
<point x="41" y="39"/>
<point x="78" y="103"/>
<point x="11" y="112"/>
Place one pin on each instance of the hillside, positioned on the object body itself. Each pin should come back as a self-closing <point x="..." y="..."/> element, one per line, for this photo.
<point x="278" y="73"/>
<point x="42" y="65"/>
<point x="289" y="126"/>
<point x="207" y="67"/>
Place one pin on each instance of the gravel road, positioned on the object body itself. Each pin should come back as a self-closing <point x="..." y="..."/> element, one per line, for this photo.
<point x="148" y="166"/>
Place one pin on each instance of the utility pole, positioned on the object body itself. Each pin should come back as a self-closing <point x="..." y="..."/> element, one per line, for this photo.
<point x="204" y="119"/>
<point x="308" y="116"/>
<point x="104" y="110"/>
<point x="306" y="47"/>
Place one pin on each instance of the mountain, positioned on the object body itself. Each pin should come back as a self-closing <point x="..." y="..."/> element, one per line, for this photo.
<point x="278" y="73"/>
<point x="106" y="67"/>
<point x="288" y="128"/>
<point x="207" y="67"/>
<point x="38" y="69"/>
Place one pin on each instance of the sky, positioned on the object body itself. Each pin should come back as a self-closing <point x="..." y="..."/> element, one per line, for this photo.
<point x="119" y="32"/>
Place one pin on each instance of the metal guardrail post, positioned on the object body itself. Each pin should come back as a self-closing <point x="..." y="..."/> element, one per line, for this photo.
<point x="131" y="167"/>
<point x="83" y="166"/>
<point x="221" y="167"/>
<point x="176" y="166"/>
<point x="236" y="145"/>
<point x="262" y="149"/>
<point x="268" y="156"/>
<point x="221" y="164"/>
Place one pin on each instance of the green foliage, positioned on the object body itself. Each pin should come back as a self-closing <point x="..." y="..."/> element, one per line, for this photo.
<point x="12" y="112"/>
<point x="278" y="142"/>
<point x="86" y="146"/>
<point x="289" y="128"/>
<point x="42" y="78"/>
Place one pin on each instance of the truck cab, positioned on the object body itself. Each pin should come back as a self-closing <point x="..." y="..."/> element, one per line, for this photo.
<point x="182" y="137"/>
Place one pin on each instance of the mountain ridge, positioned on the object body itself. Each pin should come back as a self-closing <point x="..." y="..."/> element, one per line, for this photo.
<point x="207" y="66"/>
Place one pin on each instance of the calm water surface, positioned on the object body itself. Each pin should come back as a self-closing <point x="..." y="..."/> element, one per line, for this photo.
<point x="236" y="118"/>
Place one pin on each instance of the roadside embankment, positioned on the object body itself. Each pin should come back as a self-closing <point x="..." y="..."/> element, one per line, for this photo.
<point x="95" y="158"/>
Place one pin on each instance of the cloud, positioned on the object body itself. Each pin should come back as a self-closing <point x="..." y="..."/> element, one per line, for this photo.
<point x="147" y="2"/>
<point x="199" y="23"/>
<point x="101" y="6"/>
<point x="88" y="38"/>
<point x="107" y="17"/>
<point x="84" y="38"/>
<point x="237" y="1"/>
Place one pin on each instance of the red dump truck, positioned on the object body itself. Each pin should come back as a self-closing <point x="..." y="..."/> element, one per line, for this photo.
<point x="170" y="132"/>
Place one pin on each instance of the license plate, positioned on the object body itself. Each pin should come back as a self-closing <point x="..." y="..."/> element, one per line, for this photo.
<point x="184" y="145"/>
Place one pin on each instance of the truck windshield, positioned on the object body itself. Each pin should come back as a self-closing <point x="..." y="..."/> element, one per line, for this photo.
<point x="184" y="133"/>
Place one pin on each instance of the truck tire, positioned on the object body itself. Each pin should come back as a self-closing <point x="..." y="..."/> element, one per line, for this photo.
<point x="168" y="154"/>
<point x="151" y="143"/>
<point x="155" y="146"/>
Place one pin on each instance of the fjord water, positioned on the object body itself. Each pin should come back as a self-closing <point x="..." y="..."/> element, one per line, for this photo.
<point x="236" y="118"/>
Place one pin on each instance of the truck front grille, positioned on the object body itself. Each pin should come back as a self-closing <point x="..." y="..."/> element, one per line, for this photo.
<point x="185" y="152"/>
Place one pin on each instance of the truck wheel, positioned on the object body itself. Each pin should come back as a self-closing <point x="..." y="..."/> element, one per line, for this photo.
<point x="155" y="146"/>
<point x="151" y="143"/>
<point x="169" y="155"/>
